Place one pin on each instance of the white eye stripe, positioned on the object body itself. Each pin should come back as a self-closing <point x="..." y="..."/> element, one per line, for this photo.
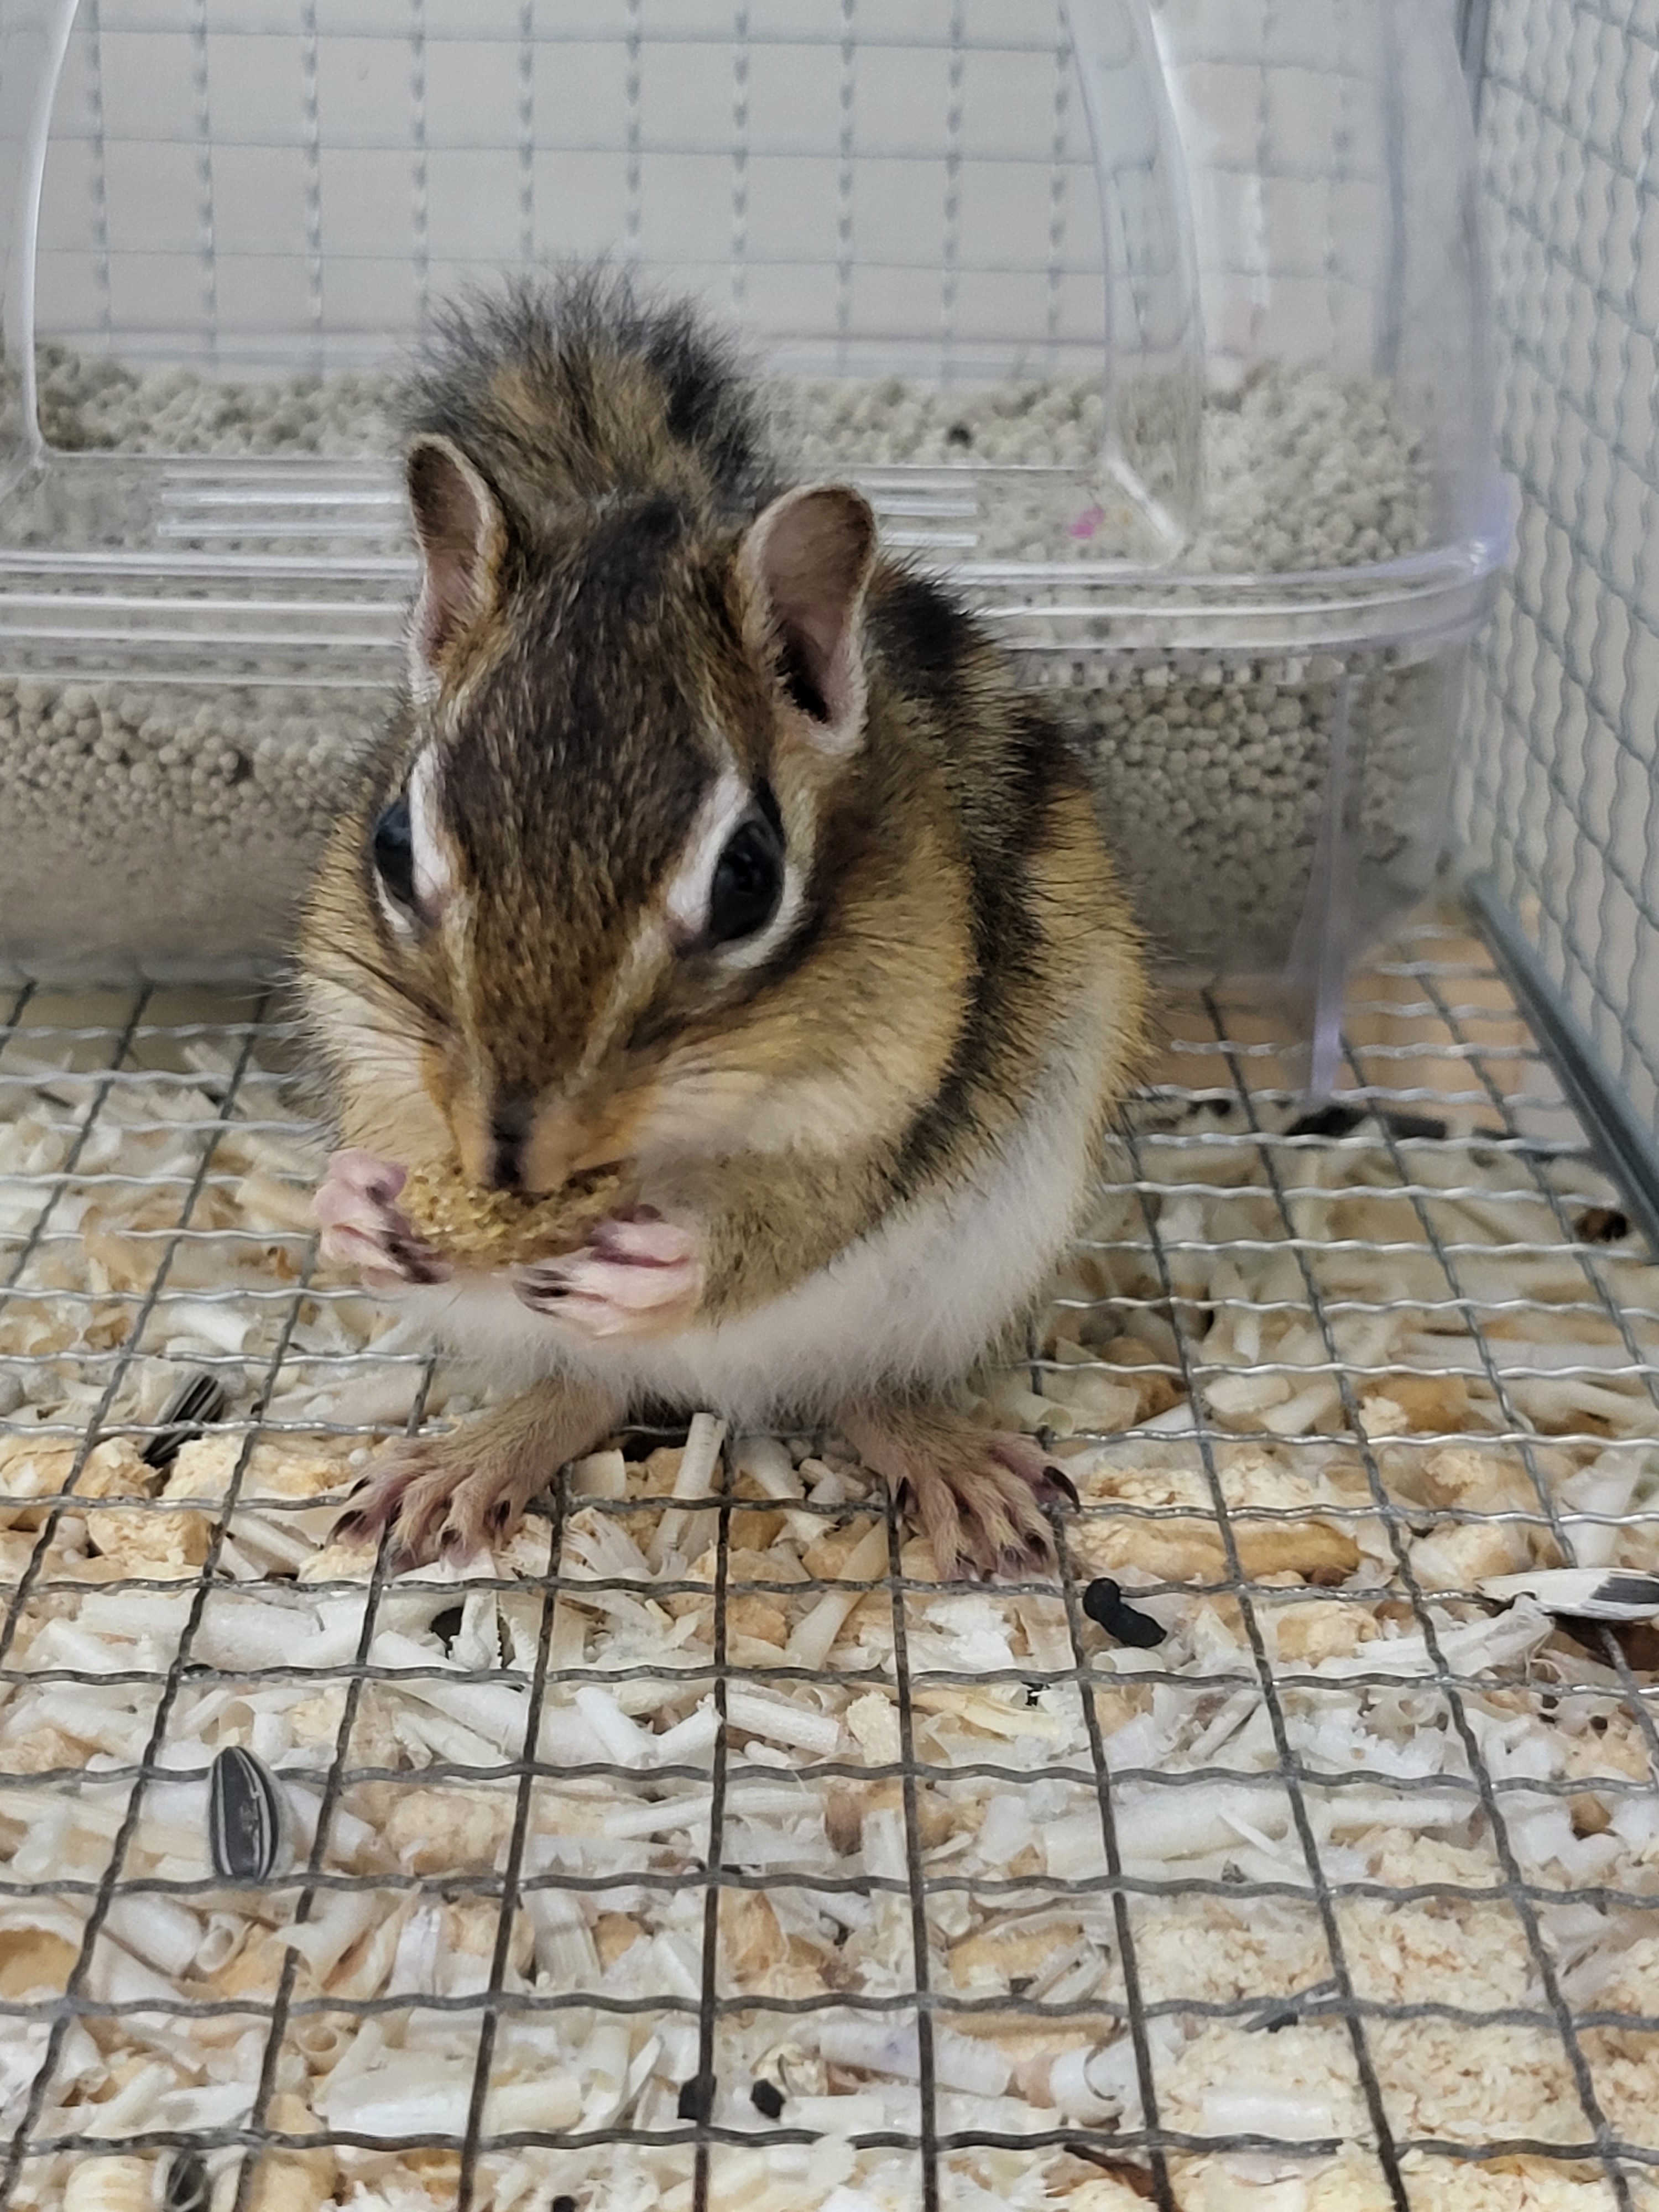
<point x="402" y="927"/>
<point x="690" y="886"/>
<point x="433" y="874"/>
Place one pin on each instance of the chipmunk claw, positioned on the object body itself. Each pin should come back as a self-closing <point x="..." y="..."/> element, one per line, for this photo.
<point x="981" y="1495"/>
<point x="454" y="1496"/>
<point x="1057" y="1486"/>
<point x="440" y="1498"/>
<point x="362" y="1228"/>
<point x="1032" y="1552"/>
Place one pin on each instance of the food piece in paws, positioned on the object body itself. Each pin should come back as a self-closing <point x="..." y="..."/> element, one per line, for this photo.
<point x="188" y="2186"/>
<point x="500" y="1228"/>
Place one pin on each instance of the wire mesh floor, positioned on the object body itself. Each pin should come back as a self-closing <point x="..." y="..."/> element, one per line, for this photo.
<point x="697" y="1848"/>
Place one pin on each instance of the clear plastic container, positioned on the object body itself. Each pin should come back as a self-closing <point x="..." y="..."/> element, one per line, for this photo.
<point x="1159" y="324"/>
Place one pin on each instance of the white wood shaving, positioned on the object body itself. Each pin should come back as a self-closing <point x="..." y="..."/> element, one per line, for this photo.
<point x="1007" y="1819"/>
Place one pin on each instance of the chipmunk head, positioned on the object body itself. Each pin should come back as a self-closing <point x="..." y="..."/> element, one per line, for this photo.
<point x="623" y="849"/>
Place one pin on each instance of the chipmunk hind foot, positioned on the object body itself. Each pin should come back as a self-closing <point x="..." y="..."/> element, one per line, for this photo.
<point x="456" y="1495"/>
<point x="979" y="1495"/>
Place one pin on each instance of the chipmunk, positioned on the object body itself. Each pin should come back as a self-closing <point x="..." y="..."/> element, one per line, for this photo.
<point x="707" y="842"/>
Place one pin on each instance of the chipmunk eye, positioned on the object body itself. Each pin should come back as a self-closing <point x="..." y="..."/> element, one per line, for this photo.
<point x="748" y="880"/>
<point x="393" y="851"/>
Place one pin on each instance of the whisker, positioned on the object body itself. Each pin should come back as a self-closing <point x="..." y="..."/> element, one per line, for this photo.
<point x="436" y="1022"/>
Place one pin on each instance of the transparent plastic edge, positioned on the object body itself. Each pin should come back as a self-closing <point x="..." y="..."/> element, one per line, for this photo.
<point x="33" y="39"/>
<point x="1150" y="258"/>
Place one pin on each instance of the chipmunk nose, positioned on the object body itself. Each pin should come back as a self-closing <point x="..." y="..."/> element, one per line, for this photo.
<point x="532" y="1147"/>
<point x="509" y="1137"/>
<point x="521" y="1141"/>
<point x="551" y="1150"/>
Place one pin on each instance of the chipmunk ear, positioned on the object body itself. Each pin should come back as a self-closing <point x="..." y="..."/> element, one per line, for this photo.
<point x="806" y="562"/>
<point x="462" y="533"/>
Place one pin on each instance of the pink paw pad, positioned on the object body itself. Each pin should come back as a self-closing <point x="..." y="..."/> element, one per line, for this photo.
<point x="362" y="1228"/>
<point x="629" y="1279"/>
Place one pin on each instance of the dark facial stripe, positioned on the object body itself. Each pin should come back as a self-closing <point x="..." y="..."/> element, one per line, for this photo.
<point x="510" y="1121"/>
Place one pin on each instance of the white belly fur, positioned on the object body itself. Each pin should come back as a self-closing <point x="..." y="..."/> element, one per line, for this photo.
<point x="918" y="1302"/>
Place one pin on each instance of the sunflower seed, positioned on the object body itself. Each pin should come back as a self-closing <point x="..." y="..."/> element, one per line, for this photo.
<point x="245" y="1810"/>
<point x="697" y="2098"/>
<point x="189" y="2188"/>
<point x="199" y="1399"/>
<point x="1601" y="1225"/>
<point x="1583" y="1593"/>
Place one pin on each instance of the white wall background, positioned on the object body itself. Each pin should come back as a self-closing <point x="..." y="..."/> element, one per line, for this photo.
<point x="245" y="177"/>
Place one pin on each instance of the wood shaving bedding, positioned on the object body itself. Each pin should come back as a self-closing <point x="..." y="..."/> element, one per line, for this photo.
<point x="612" y="1829"/>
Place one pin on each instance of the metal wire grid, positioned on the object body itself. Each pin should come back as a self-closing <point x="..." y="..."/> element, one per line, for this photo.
<point x="1561" y="760"/>
<point x="1427" y="1025"/>
<point x="222" y="179"/>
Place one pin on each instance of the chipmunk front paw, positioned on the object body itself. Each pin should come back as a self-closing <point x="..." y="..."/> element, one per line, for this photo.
<point x="636" y="1276"/>
<point x="362" y="1227"/>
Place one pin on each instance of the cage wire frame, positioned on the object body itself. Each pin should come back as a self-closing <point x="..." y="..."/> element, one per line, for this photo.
<point x="1432" y="979"/>
<point x="190" y="266"/>
<point x="1558" y="804"/>
<point x="1472" y="18"/>
<point x="1509" y="1087"/>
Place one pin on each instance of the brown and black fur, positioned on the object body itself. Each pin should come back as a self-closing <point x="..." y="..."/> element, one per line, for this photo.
<point x="958" y="901"/>
<point x="575" y="392"/>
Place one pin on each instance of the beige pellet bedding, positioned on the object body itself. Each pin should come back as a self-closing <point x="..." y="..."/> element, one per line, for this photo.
<point x="881" y="1756"/>
<point x="180" y="811"/>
